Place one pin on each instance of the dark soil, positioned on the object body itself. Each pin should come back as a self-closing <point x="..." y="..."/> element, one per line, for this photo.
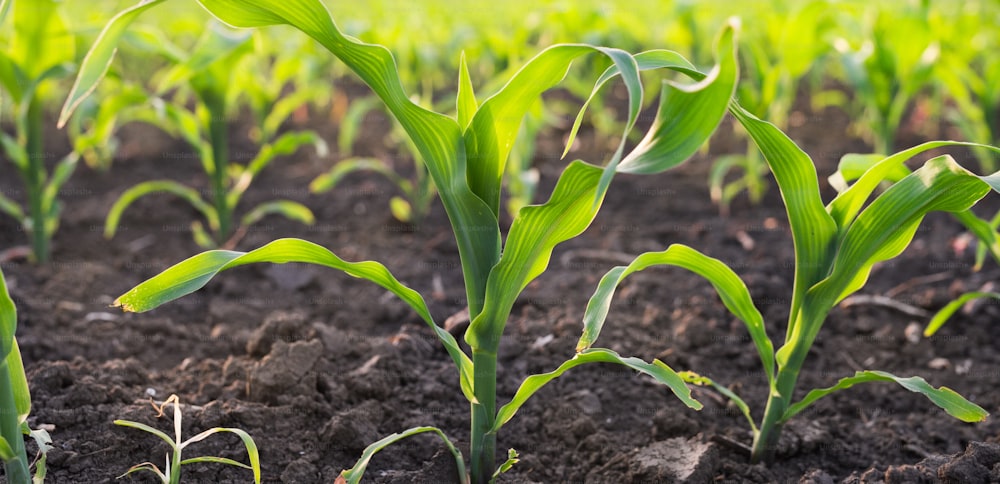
<point x="316" y="365"/>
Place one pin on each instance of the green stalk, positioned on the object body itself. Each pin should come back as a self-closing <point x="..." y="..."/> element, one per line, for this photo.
<point x="483" y="443"/>
<point x="10" y="429"/>
<point x="35" y="180"/>
<point x="219" y="137"/>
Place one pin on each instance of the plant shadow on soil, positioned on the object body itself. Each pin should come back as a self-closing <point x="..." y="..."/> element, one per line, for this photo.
<point x="316" y="365"/>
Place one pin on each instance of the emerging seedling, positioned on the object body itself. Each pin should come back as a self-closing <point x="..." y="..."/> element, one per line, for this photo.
<point x="835" y="248"/>
<point x="466" y="157"/>
<point x="171" y="473"/>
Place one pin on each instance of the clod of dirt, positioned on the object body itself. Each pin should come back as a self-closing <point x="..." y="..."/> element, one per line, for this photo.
<point x="668" y="422"/>
<point x="300" y="470"/>
<point x="816" y="476"/>
<point x="976" y="464"/>
<point x="278" y="326"/>
<point x="802" y="436"/>
<point x="675" y="460"/>
<point x="283" y="368"/>
<point x="354" y="429"/>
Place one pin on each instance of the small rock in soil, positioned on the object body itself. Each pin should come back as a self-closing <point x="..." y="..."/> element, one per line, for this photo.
<point x="675" y="460"/>
<point x="283" y="368"/>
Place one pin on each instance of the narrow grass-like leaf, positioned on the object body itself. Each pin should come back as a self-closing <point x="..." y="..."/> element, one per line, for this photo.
<point x="11" y="208"/>
<point x="330" y="179"/>
<point x="192" y="274"/>
<point x="95" y="64"/>
<point x="286" y="208"/>
<point x="354" y="474"/>
<point x="657" y="369"/>
<point x="215" y="44"/>
<point x="60" y="175"/>
<point x="248" y="442"/>
<point x="8" y="320"/>
<point x="6" y="452"/>
<point x="944" y="397"/>
<point x="949" y="309"/>
<point x="126" y="199"/>
<point x="731" y="289"/>
<point x="145" y="428"/>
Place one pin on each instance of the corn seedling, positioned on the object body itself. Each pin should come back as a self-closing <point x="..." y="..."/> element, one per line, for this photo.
<point x="15" y="402"/>
<point x="171" y="473"/>
<point x="466" y="157"/>
<point x="835" y="248"/>
<point x="38" y="53"/>
<point x="208" y="73"/>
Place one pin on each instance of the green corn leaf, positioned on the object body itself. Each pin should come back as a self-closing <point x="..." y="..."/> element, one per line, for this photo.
<point x="352" y="122"/>
<point x="248" y="442"/>
<point x="354" y="474"/>
<point x="147" y="466"/>
<point x="95" y="64"/>
<point x="201" y="236"/>
<point x="401" y="209"/>
<point x="437" y="137"/>
<point x="192" y="274"/>
<point x="696" y="379"/>
<point x="848" y="203"/>
<point x="731" y="289"/>
<point x="330" y="179"/>
<point x="512" y="458"/>
<point x="853" y="165"/>
<point x="217" y="44"/>
<point x="944" y="397"/>
<point x="60" y="175"/>
<point x="16" y="153"/>
<point x="536" y="230"/>
<point x="11" y="208"/>
<point x="41" y="39"/>
<point x="813" y="229"/>
<point x="217" y="460"/>
<point x="949" y="309"/>
<point x="146" y="428"/>
<point x="283" y="108"/>
<point x="18" y="382"/>
<point x="8" y="320"/>
<point x="12" y="77"/>
<point x="6" y="453"/>
<point x="657" y="369"/>
<point x="158" y="186"/>
<point x="687" y="114"/>
<point x="494" y="128"/>
<point x="4" y="8"/>
<point x="286" y="208"/>
<point x="286" y="144"/>
<point x="888" y="224"/>
<point x="466" y="103"/>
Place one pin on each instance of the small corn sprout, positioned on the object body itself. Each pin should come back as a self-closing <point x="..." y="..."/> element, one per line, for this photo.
<point x="835" y="248"/>
<point x="171" y="473"/>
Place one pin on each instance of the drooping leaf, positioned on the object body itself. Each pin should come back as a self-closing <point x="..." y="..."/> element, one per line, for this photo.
<point x="658" y="370"/>
<point x="286" y="208"/>
<point x="192" y="274"/>
<point x="126" y="199"/>
<point x="944" y="397"/>
<point x="949" y="309"/>
<point x="354" y="474"/>
<point x="727" y="284"/>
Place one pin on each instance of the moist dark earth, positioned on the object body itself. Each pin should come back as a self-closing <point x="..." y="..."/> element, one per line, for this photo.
<point x="315" y="365"/>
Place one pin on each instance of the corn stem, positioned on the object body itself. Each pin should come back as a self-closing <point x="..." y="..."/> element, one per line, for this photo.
<point x="483" y="443"/>
<point x="16" y="468"/>
<point x="35" y="179"/>
<point x="219" y="138"/>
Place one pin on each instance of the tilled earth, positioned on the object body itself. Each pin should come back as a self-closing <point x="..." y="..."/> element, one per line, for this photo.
<point x="316" y="365"/>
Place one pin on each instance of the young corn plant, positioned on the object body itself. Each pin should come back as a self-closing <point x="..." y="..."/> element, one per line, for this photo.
<point x="171" y="473"/>
<point x="15" y="402"/>
<point x="37" y="53"/>
<point x="466" y="157"/>
<point x="835" y="247"/>
<point x="208" y="73"/>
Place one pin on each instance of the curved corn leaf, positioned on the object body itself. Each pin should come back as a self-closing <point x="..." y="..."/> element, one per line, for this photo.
<point x="248" y="442"/>
<point x="11" y="208"/>
<point x="848" y="203"/>
<point x="330" y="179"/>
<point x="657" y="369"/>
<point x="687" y="114"/>
<point x="10" y="354"/>
<point x="283" y="108"/>
<point x="353" y="121"/>
<point x="286" y="144"/>
<point x="888" y="224"/>
<point x="731" y="289"/>
<point x="813" y="229"/>
<point x="949" y="309"/>
<point x="98" y="59"/>
<point x="147" y="466"/>
<point x="216" y="460"/>
<point x="192" y="274"/>
<point x="354" y="474"/>
<point x="8" y="319"/>
<point x="286" y="208"/>
<point x="41" y="38"/>
<point x="217" y="44"/>
<point x="536" y="230"/>
<point x="6" y="452"/>
<point x="60" y="175"/>
<point x="146" y="428"/>
<point x="944" y="397"/>
<point x="512" y="458"/>
<point x="696" y="379"/>
<point x="437" y="137"/>
<point x="496" y="123"/>
<point x="18" y="382"/>
<point x="158" y="186"/>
